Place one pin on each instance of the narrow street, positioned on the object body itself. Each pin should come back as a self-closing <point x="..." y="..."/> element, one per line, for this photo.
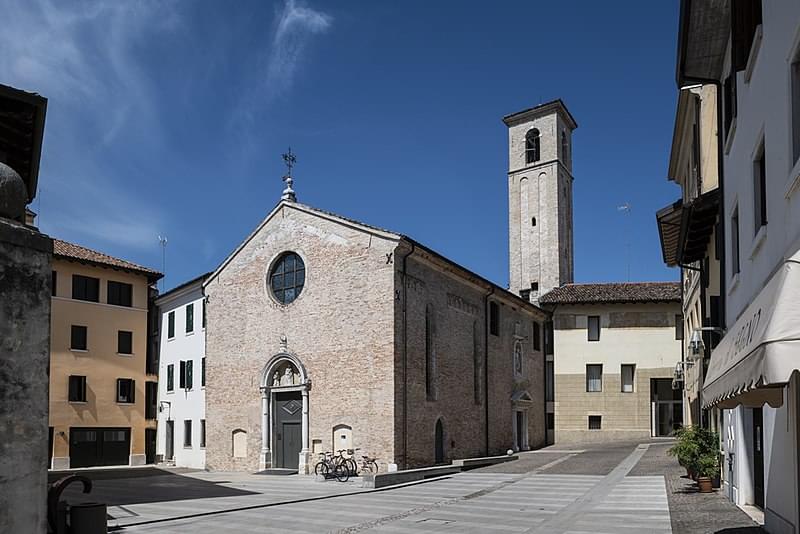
<point x="609" y="488"/>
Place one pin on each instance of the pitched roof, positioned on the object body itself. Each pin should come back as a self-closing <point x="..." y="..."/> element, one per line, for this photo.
<point x="180" y="287"/>
<point x="71" y="251"/>
<point x="613" y="293"/>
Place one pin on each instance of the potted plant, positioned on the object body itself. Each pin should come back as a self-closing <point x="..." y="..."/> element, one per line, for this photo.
<point x="684" y="449"/>
<point x="697" y="449"/>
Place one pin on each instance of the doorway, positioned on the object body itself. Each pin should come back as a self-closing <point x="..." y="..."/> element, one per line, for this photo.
<point x="439" y="443"/>
<point x="89" y="447"/>
<point x="667" y="407"/>
<point x="287" y="429"/>
<point x="758" y="457"/>
<point x="150" y="445"/>
<point x="170" y="440"/>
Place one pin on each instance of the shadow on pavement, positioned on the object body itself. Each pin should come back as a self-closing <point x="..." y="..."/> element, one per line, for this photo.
<point x="144" y="485"/>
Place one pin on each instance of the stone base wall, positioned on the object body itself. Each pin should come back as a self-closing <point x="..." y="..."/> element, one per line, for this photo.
<point x="25" y="257"/>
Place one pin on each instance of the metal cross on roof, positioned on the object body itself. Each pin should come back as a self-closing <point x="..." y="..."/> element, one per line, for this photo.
<point x="289" y="159"/>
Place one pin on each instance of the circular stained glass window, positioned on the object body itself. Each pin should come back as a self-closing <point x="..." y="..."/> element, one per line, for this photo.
<point x="287" y="277"/>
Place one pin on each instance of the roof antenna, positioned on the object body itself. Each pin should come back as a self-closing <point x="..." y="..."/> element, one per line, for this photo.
<point x="289" y="159"/>
<point x="626" y="208"/>
<point x="163" y="241"/>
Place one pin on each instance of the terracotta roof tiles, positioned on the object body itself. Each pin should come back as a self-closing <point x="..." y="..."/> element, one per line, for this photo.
<point x="613" y="293"/>
<point x="75" y="252"/>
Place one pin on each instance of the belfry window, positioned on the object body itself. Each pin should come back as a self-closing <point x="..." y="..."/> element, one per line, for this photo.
<point x="287" y="277"/>
<point x="532" y="152"/>
<point x="564" y="146"/>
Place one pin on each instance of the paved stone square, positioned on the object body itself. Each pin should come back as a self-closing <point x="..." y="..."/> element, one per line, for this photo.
<point x="598" y="488"/>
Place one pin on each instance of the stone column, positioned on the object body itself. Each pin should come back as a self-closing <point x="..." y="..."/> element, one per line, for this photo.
<point x="305" y="451"/>
<point x="265" y="461"/>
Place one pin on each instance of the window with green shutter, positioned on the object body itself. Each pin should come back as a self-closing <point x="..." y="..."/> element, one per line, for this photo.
<point x="189" y="318"/>
<point x="170" y="377"/>
<point x="171" y="324"/>
<point x="189" y="381"/>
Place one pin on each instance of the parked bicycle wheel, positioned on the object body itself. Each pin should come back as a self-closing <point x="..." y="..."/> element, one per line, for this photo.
<point x="351" y="466"/>
<point x="371" y="466"/>
<point x="321" y="469"/>
<point x="341" y="472"/>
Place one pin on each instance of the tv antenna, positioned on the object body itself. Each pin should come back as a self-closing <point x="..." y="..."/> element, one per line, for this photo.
<point x="626" y="209"/>
<point x="163" y="242"/>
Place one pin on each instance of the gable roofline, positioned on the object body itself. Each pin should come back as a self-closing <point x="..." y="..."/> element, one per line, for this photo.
<point x="613" y="293"/>
<point x="67" y="251"/>
<point x="305" y="209"/>
<point x="180" y="289"/>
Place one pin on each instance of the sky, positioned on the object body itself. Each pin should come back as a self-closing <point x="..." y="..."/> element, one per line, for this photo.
<point x="169" y="119"/>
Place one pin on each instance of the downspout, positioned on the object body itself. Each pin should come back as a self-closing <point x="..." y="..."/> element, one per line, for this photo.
<point x="405" y="356"/>
<point x="487" y="326"/>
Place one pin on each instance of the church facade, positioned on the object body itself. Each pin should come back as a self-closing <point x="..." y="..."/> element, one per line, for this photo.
<point x="324" y="333"/>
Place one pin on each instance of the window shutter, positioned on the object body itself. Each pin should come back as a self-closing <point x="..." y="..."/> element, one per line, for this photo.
<point x="189" y="366"/>
<point x="133" y="391"/>
<point x="182" y="377"/>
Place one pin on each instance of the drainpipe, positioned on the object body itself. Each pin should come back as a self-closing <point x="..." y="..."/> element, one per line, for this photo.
<point x="405" y="356"/>
<point x="486" y="368"/>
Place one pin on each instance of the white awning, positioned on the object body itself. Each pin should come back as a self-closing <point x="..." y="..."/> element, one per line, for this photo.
<point x="760" y="352"/>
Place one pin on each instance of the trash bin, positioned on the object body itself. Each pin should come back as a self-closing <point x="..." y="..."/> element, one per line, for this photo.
<point x="88" y="518"/>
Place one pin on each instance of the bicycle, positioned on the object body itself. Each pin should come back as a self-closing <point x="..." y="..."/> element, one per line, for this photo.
<point x="368" y="463"/>
<point x="330" y="466"/>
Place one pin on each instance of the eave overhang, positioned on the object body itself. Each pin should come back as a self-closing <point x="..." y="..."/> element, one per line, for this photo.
<point x="685" y="229"/>
<point x="702" y="40"/>
<point x="21" y="132"/>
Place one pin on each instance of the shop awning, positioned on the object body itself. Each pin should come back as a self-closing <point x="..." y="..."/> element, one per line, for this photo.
<point x="760" y="352"/>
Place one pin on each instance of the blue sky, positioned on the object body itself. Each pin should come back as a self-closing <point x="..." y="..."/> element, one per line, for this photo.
<point x="170" y="118"/>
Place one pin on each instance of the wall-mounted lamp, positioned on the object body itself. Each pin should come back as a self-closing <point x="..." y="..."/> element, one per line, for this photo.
<point x="696" y="343"/>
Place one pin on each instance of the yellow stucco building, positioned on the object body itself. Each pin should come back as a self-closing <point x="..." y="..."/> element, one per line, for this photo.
<point x="103" y="373"/>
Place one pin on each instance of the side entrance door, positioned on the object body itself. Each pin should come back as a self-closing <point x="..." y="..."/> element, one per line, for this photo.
<point x="287" y="429"/>
<point x="150" y="445"/>
<point x="89" y="447"/>
<point x="170" y="440"/>
<point x="758" y="457"/>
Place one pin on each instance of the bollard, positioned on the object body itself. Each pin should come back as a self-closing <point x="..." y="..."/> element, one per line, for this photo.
<point x="88" y="518"/>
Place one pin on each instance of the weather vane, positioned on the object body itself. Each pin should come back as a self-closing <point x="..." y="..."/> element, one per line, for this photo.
<point x="289" y="159"/>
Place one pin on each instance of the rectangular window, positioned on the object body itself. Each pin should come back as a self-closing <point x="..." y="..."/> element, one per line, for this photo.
<point x="537" y="336"/>
<point x="203" y="304"/>
<point x="549" y="385"/>
<point x="494" y="319"/>
<point x="78" y="338"/>
<point x="170" y="377"/>
<point x="760" y="189"/>
<point x="150" y="399"/>
<point x="202" y="433"/>
<point x="628" y="371"/>
<point x="124" y="342"/>
<point x="729" y="100"/>
<point x="85" y="288"/>
<point x="795" y="74"/>
<point x="595" y="422"/>
<point x="594" y="378"/>
<point x="593" y="327"/>
<point x="678" y="326"/>
<point x="189" y="318"/>
<point x="120" y="294"/>
<point x="745" y="18"/>
<point x="171" y="324"/>
<point x="125" y="390"/>
<point x="54" y="283"/>
<point x="203" y="372"/>
<point x="187" y="433"/>
<point x="182" y="375"/>
<point x="735" y="241"/>
<point x="189" y="377"/>
<point x="77" y="388"/>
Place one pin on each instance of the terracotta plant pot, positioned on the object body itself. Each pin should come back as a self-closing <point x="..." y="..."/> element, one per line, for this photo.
<point x="704" y="483"/>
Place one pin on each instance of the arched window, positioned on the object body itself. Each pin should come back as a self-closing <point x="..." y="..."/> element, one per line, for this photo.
<point x="532" y="146"/>
<point x="430" y="353"/>
<point x="287" y="277"/>
<point x="564" y="147"/>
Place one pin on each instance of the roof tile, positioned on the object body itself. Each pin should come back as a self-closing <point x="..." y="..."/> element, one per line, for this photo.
<point x="72" y="251"/>
<point x="617" y="293"/>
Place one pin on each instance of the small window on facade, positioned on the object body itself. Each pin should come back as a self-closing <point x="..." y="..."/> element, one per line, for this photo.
<point x="78" y="338"/>
<point x="532" y="152"/>
<point x="125" y="390"/>
<point x="203" y="372"/>
<point x="189" y="318"/>
<point x="595" y="422"/>
<point x="150" y="398"/>
<point x="549" y="384"/>
<point x="735" y="241"/>
<point x="77" y="388"/>
<point x="202" y="433"/>
<point x="594" y="378"/>
<point x="533" y="221"/>
<point x="203" y="304"/>
<point x="54" y="284"/>
<point x="124" y="342"/>
<point x="535" y="287"/>
<point x="171" y="324"/>
<point x="187" y="433"/>
<point x="593" y="327"/>
<point x="85" y="288"/>
<point x="760" y="189"/>
<point x="795" y="75"/>
<point x="119" y="294"/>
<point x="171" y="377"/>
<point x="494" y="319"/>
<point x="627" y="373"/>
<point x="678" y="326"/>
<point x="287" y="278"/>
<point x="537" y="336"/>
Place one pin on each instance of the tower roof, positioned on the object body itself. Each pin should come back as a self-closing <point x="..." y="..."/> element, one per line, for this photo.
<point x="547" y="108"/>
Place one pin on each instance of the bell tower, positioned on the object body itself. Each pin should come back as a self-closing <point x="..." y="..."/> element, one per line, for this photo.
<point x="540" y="199"/>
